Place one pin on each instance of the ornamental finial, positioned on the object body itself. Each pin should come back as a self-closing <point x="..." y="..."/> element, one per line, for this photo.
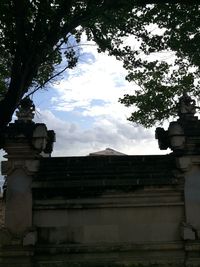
<point x="186" y="106"/>
<point x="26" y="110"/>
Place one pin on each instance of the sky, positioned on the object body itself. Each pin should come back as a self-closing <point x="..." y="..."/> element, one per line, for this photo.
<point x="84" y="111"/>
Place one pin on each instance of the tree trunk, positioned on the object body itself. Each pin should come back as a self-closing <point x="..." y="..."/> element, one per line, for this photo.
<point x="8" y="106"/>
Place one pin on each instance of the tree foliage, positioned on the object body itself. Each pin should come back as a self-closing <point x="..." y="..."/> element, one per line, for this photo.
<point x="166" y="63"/>
<point x="35" y="35"/>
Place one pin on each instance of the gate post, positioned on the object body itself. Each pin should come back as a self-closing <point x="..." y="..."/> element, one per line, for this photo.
<point x="25" y="143"/>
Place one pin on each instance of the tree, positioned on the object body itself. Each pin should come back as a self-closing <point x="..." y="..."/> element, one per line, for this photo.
<point x="34" y="36"/>
<point x="172" y="30"/>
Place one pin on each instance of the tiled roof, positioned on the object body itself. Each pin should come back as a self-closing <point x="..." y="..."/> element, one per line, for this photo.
<point x="107" y="152"/>
<point x="92" y="175"/>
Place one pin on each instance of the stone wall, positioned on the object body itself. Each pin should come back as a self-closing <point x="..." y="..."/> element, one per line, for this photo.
<point x="135" y="228"/>
<point x="2" y="211"/>
<point x="128" y="211"/>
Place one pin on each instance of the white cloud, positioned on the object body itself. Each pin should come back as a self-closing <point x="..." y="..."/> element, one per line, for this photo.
<point x="73" y="140"/>
<point x="91" y="91"/>
<point x="104" y="80"/>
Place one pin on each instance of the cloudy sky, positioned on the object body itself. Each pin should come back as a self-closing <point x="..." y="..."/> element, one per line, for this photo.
<point x="83" y="109"/>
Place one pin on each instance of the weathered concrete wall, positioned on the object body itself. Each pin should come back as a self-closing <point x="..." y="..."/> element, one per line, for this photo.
<point x="192" y="197"/>
<point x="18" y="215"/>
<point x="2" y="211"/>
<point x="152" y="215"/>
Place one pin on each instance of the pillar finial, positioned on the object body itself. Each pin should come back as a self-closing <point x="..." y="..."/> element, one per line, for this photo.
<point x="26" y="110"/>
<point x="183" y="135"/>
<point x="186" y="106"/>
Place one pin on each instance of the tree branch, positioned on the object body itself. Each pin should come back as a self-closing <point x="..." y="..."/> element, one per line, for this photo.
<point x="49" y="79"/>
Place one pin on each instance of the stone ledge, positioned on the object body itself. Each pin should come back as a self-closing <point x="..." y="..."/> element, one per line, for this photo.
<point x="111" y="247"/>
<point x="143" y="198"/>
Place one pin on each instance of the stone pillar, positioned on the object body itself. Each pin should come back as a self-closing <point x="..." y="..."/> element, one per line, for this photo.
<point x="183" y="137"/>
<point x="24" y="142"/>
<point x="18" y="210"/>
